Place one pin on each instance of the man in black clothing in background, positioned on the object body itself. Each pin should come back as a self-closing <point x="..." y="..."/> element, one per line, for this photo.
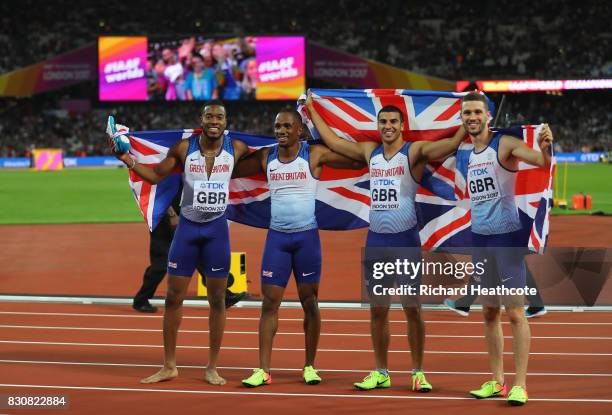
<point x="159" y="245"/>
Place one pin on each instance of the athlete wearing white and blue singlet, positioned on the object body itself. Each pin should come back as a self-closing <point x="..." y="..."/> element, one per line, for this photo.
<point x="292" y="169"/>
<point x="396" y="168"/>
<point x="491" y="171"/>
<point x="202" y="234"/>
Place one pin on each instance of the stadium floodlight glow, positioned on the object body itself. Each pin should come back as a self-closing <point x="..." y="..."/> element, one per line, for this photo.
<point x="531" y="85"/>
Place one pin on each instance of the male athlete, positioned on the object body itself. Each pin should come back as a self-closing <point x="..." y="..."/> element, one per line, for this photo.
<point x="393" y="221"/>
<point x="202" y="234"/>
<point x="496" y="230"/>
<point x="292" y="169"/>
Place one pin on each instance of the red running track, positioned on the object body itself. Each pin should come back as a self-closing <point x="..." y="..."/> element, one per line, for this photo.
<point x="95" y="355"/>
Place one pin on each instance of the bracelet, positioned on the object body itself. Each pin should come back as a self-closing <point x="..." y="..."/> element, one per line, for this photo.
<point x="133" y="164"/>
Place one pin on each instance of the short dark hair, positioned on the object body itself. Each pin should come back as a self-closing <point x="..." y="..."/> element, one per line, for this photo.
<point x="296" y="115"/>
<point x="213" y="102"/>
<point x="391" y="108"/>
<point x="475" y="96"/>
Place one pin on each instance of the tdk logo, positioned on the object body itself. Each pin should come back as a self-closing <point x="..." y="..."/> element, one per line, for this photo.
<point x="479" y="172"/>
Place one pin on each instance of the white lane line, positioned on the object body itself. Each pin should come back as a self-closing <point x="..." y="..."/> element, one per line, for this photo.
<point x="330" y="320"/>
<point x="283" y="369"/>
<point x="286" y="304"/>
<point x="131" y="330"/>
<point x="285" y="349"/>
<point x="356" y="395"/>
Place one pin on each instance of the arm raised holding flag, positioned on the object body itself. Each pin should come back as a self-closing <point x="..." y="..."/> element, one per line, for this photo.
<point x="390" y="128"/>
<point x="120" y="146"/>
<point x="396" y="168"/>
<point x="202" y="236"/>
<point x="492" y="168"/>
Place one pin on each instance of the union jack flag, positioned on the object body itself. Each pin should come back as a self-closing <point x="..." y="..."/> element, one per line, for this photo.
<point x="342" y="196"/>
<point x="343" y="199"/>
<point x="443" y="205"/>
<point x="150" y="148"/>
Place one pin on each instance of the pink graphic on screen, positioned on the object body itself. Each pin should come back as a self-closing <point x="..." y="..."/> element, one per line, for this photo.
<point x="48" y="160"/>
<point x="280" y="67"/>
<point x="122" y="68"/>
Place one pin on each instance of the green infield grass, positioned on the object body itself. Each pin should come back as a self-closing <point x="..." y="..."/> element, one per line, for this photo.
<point x="594" y="179"/>
<point x="103" y="195"/>
<point x="66" y="196"/>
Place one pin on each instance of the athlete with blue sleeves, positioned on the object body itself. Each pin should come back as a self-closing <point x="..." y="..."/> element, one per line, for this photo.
<point x="292" y="168"/>
<point x="396" y="168"/>
<point x="202" y="235"/>
<point x="491" y="177"/>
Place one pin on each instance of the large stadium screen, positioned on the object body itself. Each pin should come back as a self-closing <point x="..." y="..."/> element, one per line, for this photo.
<point x="200" y="68"/>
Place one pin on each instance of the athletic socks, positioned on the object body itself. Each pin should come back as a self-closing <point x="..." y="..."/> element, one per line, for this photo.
<point x="383" y="372"/>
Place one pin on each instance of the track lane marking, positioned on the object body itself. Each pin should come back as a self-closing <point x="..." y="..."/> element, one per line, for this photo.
<point x="281" y="369"/>
<point x="442" y="336"/>
<point x="535" y="323"/>
<point x="356" y="395"/>
<point x="284" y="349"/>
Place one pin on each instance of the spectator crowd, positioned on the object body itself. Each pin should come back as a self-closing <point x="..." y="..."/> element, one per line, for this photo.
<point x="208" y="54"/>
<point x="446" y="38"/>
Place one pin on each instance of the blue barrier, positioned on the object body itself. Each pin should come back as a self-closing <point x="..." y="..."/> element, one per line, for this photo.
<point x="15" y="162"/>
<point x="109" y="161"/>
<point x="100" y="161"/>
<point x="26" y="162"/>
<point x="579" y="157"/>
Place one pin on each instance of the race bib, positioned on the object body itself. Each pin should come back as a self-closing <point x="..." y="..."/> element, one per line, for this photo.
<point x="385" y="193"/>
<point x="483" y="183"/>
<point x="210" y="196"/>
